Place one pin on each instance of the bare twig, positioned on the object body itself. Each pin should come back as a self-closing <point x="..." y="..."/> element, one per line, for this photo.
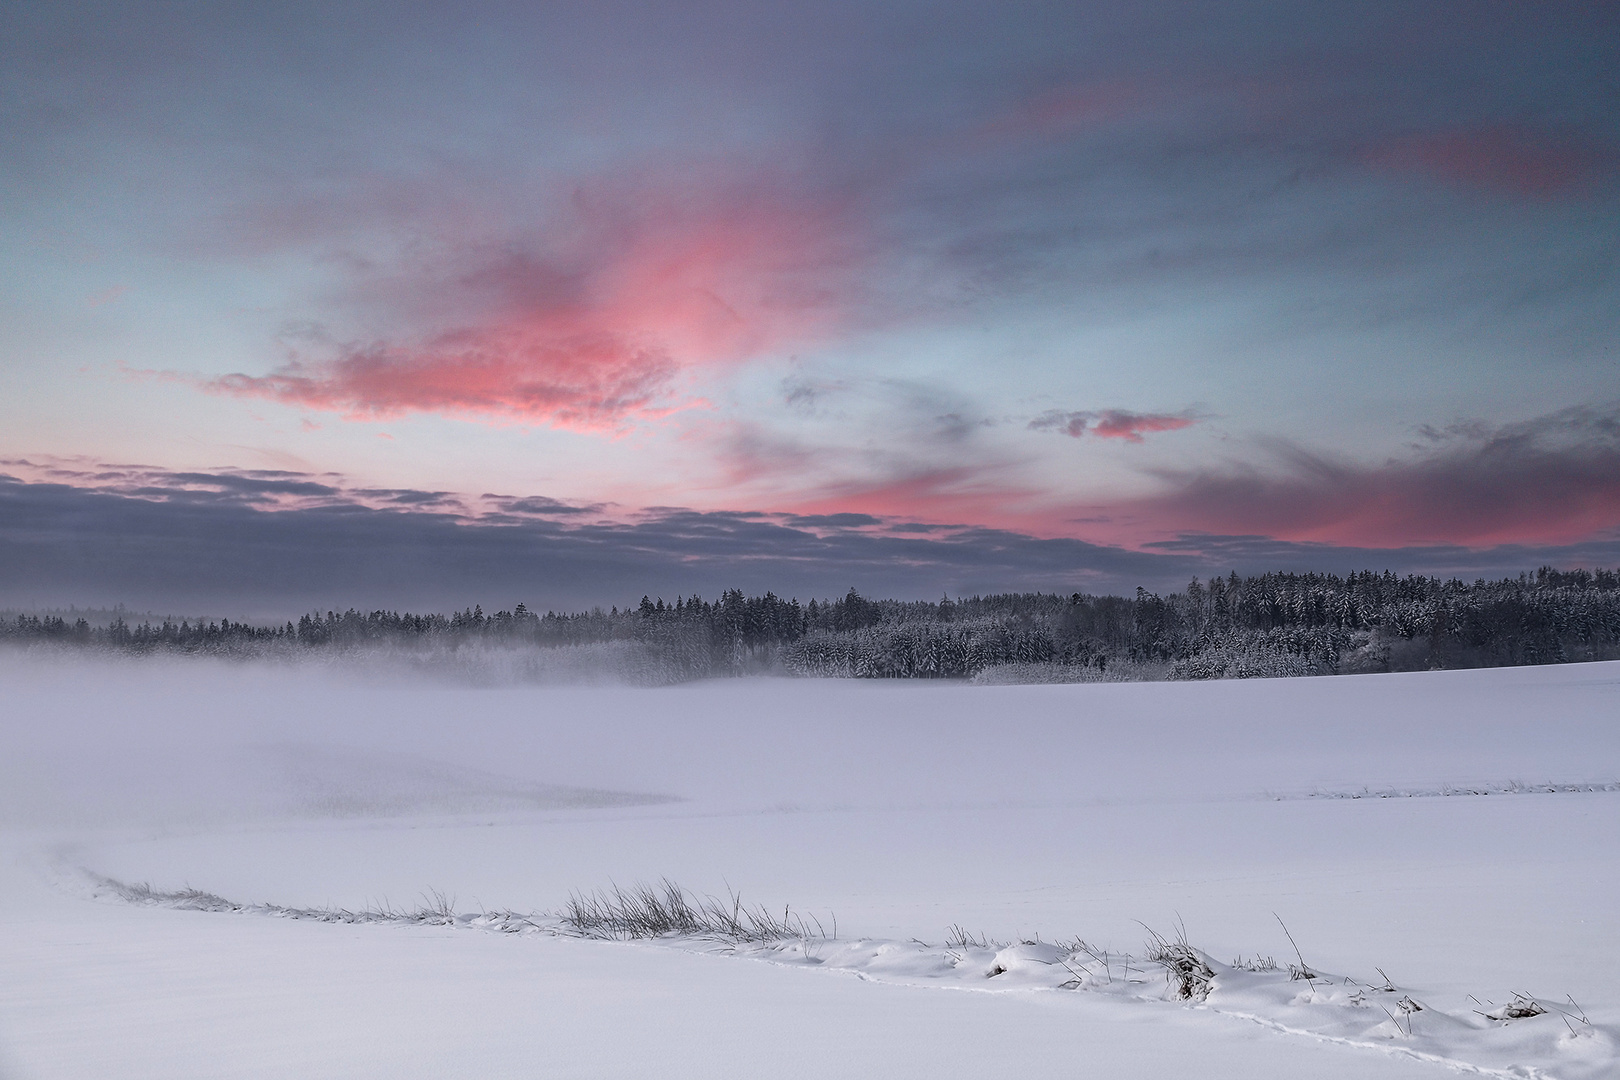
<point x="1303" y="971"/>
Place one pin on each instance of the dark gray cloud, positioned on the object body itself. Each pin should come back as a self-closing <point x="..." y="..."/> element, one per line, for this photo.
<point x="540" y="506"/>
<point x="64" y="544"/>
<point x="408" y="496"/>
<point x="255" y="486"/>
<point x="214" y="553"/>
<point x="251" y="486"/>
<point x="832" y="520"/>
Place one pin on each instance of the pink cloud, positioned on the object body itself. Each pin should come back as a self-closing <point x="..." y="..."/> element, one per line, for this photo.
<point x="639" y="289"/>
<point x="1111" y="423"/>
<point x="1119" y="424"/>
<point x="511" y="373"/>
<point x="1511" y="158"/>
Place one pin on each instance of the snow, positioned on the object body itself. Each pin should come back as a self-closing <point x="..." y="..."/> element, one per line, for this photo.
<point x="1390" y="822"/>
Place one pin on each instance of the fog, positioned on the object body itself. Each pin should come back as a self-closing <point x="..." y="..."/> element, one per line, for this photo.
<point x="103" y="740"/>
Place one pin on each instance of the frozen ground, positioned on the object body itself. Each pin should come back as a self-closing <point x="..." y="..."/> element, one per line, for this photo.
<point x="1017" y="813"/>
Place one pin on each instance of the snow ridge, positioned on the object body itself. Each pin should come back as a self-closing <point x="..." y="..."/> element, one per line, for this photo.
<point x="1526" y="1039"/>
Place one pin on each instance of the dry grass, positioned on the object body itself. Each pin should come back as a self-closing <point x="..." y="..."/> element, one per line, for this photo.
<point x="666" y="909"/>
<point x="1186" y="969"/>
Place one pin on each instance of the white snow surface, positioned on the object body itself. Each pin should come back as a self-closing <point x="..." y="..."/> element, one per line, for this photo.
<point x="1458" y="830"/>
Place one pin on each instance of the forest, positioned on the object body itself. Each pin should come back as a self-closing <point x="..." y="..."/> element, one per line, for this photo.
<point x="1267" y="625"/>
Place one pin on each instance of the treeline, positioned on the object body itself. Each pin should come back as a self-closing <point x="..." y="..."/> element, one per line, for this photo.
<point x="1264" y="625"/>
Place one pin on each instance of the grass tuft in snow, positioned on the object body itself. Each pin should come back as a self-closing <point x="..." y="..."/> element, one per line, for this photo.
<point x="1186" y="969"/>
<point x="959" y="939"/>
<point x="1257" y="963"/>
<point x="667" y="909"/>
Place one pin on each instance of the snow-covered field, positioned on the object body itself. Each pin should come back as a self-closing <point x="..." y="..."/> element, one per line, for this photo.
<point x="1027" y="817"/>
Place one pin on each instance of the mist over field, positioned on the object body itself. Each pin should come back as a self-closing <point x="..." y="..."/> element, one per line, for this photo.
<point x="159" y="740"/>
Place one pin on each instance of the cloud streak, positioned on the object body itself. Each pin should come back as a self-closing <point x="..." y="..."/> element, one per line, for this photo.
<point x="1553" y="479"/>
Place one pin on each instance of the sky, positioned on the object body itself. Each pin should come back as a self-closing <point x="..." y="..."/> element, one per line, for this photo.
<point x="408" y="304"/>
